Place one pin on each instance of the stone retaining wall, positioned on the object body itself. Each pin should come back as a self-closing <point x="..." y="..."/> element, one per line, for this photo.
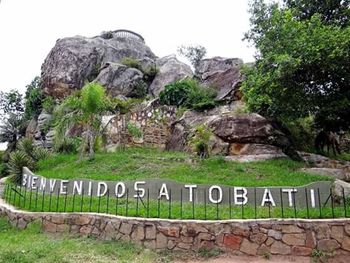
<point x="251" y="237"/>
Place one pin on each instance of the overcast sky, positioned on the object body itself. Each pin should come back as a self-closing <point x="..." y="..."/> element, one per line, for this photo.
<point x="29" y="29"/>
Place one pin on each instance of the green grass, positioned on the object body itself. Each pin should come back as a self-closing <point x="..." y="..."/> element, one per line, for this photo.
<point x="37" y="202"/>
<point x="145" y="163"/>
<point x="30" y="245"/>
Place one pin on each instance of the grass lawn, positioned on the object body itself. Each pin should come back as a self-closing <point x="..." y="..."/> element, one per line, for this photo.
<point x="30" y="245"/>
<point x="146" y="163"/>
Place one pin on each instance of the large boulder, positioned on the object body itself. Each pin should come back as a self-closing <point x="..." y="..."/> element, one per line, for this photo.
<point x="121" y="80"/>
<point x="75" y="60"/>
<point x="170" y="70"/>
<point x="223" y="74"/>
<point x="252" y="129"/>
<point x="233" y="134"/>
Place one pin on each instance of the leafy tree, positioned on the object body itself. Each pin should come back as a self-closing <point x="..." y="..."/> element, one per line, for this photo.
<point x="11" y="103"/>
<point x="302" y="66"/>
<point x="331" y="11"/>
<point x="83" y="108"/>
<point x="193" y="53"/>
<point x="33" y="99"/>
<point x="11" y="120"/>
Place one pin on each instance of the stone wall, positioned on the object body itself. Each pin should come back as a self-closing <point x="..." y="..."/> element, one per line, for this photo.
<point x="152" y="120"/>
<point x="251" y="237"/>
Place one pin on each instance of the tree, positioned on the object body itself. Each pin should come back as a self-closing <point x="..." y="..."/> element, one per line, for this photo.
<point x="334" y="12"/>
<point x="302" y="67"/>
<point x="83" y="108"/>
<point x="12" y="121"/>
<point x="33" y="99"/>
<point x="193" y="53"/>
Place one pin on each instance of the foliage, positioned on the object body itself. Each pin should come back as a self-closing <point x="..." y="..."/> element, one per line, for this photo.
<point x="26" y="155"/>
<point x="120" y="105"/>
<point x="302" y="67"/>
<point x="331" y="11"/>
<point x="33" y="99"/>
<point x="207" y="253"/>
<point x="48" y="104"/>
<point x="67" y="145"/>
<point x="303" y="133"/>
<point x="134" y="131"/>
<point x="148" y="72"/>
<point x="84" y="108"/>
<point x="193" y="53"/>
<point x="11" y="103"/>
<point x="188" y="93"/>
<point x="11" y="119"/>
<point x="18" y="160"/>
<point x="3" y="167"/>
<point x="200" y="141"/>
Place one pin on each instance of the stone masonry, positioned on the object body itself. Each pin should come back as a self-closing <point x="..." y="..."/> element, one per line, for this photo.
<point x="152" y="120"/>
<point x="250" y="237"/>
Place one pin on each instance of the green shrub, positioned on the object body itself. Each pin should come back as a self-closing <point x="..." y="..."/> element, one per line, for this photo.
<point x="148" y="72"/>
<point x="122" y="106"/>
<point x="188" y="93"/>
<point x="134" y="131"/>
<point x="200" y="141"/>
<point x="303" y="133"/>
<point x="26" y="155"/>
<point x="67" y="145"/>
<point x="18" y="160"/>
<point x="48" y="104"/>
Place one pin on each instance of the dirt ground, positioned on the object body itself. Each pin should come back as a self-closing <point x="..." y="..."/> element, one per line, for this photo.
<point x="272" y="259"/>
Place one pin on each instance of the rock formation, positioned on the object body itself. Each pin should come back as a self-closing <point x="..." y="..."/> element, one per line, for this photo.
<point x="170" y="70"/>
<point x="75" y="60"/>
<point x="223" y="74"/>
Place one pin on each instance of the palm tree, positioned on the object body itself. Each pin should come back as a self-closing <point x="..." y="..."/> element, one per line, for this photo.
<point x="83" y="108"/>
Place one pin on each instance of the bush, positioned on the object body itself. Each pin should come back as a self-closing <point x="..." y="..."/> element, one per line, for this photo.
<point x="122" y="106"/>
<point x="48" y="104"/>
<point x="67" y="145"/>
<point x="188" y="93"/>
<point x="26" y="155"/>
<point x="200" y="141"/>
<point x="18" y="160"/>
<point x="303" y="133"/>
<point x="134" y="131"/>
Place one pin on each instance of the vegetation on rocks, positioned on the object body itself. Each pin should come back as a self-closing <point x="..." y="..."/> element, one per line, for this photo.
<point x="83" y="108"/>
<point x="188" y="93"/>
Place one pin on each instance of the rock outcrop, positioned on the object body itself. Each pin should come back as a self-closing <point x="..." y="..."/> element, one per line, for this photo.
<point x="170" y="70"/>
<point x="121" y="80"/>
<point x="39" y="130"/>
<point x="75" y="60"/>
<point x="233" y="134"/>
<point x="224" y="75"/>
